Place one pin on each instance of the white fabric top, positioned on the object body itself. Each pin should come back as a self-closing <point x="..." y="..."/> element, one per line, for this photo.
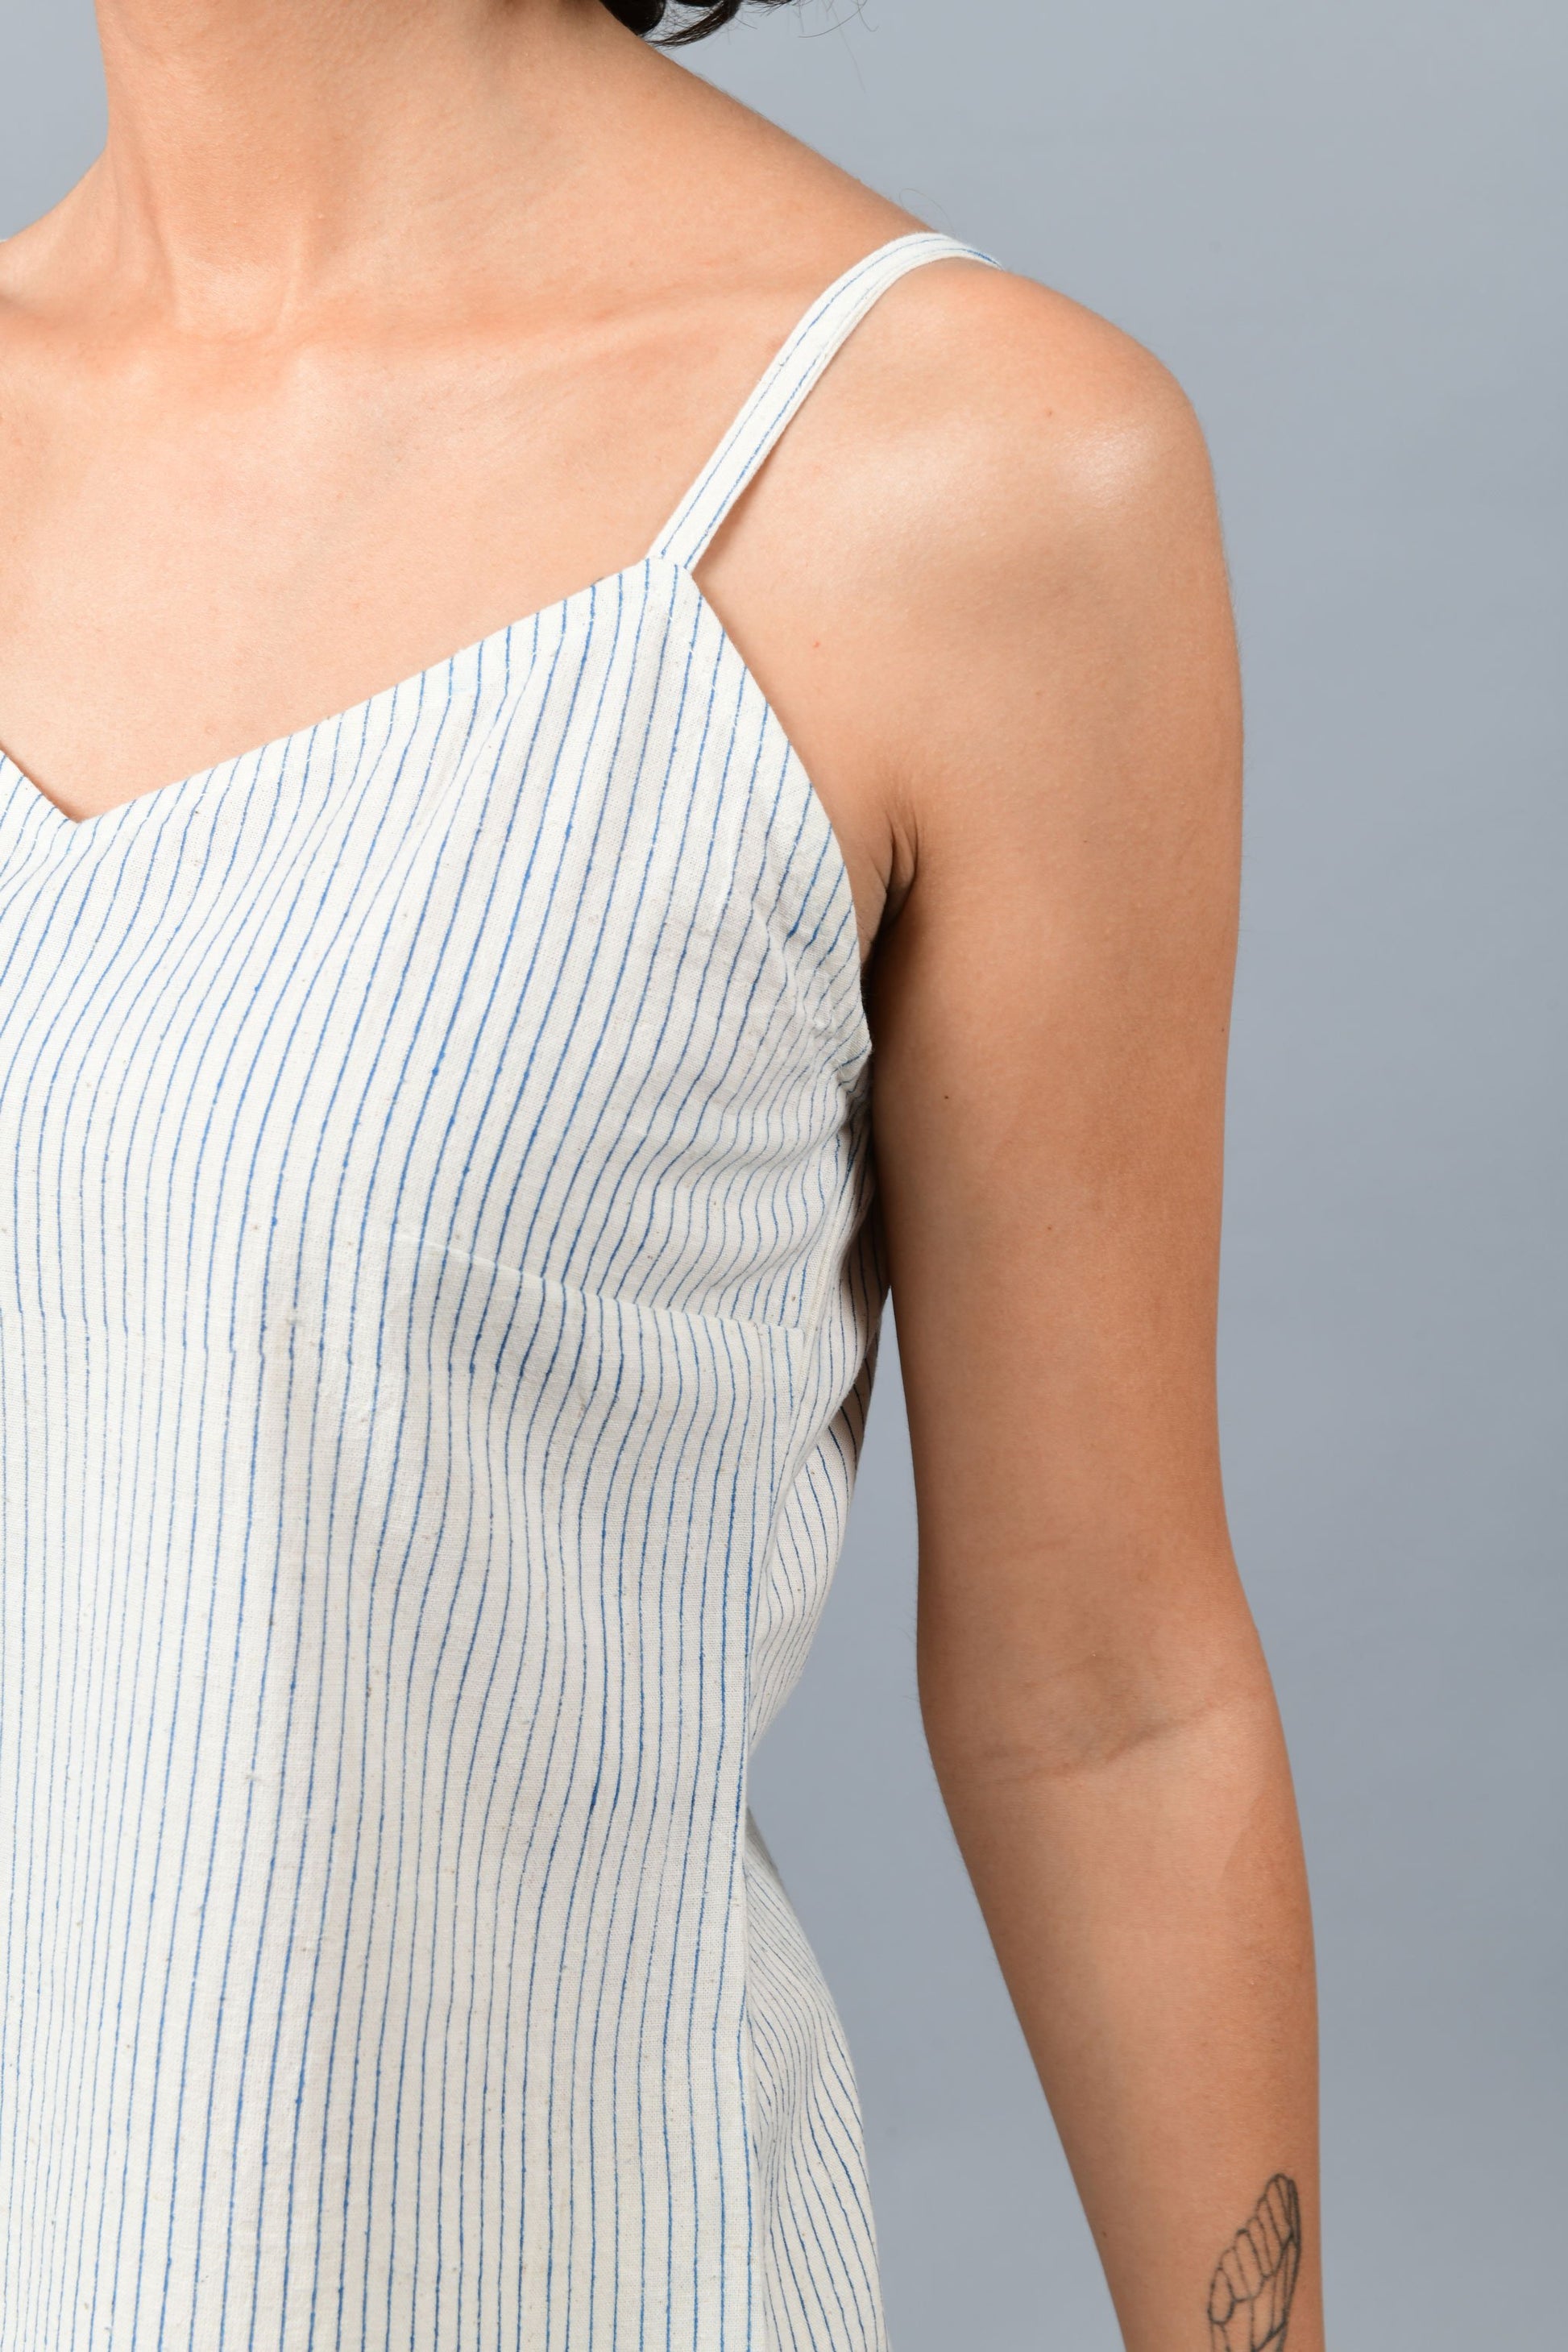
<point x="438" y="1306"/>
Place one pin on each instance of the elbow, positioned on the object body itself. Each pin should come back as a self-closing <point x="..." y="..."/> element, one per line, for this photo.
<point x="1093" y="1718"/>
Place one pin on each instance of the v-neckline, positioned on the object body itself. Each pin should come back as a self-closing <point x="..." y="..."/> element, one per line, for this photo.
<point x="50" y="812"/>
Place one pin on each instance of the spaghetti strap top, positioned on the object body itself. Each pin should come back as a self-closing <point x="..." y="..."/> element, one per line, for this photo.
<point x="437" y="1308"/>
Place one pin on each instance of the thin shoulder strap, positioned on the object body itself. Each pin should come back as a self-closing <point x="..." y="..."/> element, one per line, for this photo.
<point x="787" y="381"/>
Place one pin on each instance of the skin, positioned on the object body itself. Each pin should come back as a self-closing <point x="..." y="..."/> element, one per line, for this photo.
<point x="370" y="332"/>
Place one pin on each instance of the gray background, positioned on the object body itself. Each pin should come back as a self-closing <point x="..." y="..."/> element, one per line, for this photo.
<point x="1341" y="227"/>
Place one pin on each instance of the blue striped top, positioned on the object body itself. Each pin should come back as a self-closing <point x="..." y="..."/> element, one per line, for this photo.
<point x="438" y="1307"/>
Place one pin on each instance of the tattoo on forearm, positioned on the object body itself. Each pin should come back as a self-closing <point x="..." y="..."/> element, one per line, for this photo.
<point x="1249" y="2296"/>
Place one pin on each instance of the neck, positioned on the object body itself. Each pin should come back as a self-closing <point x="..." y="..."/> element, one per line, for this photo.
<point x="263" y="154"/>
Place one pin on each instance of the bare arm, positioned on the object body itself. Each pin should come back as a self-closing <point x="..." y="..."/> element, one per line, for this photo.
<point x="984" y="586"/>
<point x="1050" y="1015"/>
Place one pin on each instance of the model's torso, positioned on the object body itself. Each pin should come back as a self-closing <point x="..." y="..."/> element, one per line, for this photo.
<point x="437" y="1297"/>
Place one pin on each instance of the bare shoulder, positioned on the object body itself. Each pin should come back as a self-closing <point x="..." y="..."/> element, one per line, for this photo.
<point x="981" y="577"/>
<point x="979" y="437"/>
<point x="1037" y="443"/>
<point x="996" y="516"/>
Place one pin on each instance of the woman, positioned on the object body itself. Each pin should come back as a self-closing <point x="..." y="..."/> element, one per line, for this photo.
<point x="441" y="1266"/>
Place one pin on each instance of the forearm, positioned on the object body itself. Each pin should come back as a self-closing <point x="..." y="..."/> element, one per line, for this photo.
<point x="1150" y="1914"/>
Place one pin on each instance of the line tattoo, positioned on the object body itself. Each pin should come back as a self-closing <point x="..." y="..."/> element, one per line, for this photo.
<point x="1249" y="2295"/>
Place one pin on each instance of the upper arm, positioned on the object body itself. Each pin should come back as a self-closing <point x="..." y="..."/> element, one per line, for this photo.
<point x="1049" y="1007"/>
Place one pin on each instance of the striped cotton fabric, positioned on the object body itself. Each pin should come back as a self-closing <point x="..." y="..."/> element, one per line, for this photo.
<point x="438" y="1307"/>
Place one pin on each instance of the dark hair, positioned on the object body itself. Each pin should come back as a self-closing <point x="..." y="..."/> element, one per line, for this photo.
<point x="648" y="15"/>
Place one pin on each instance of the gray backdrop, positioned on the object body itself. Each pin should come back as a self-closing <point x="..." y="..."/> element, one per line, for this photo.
<point x="1341" y="227"/>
